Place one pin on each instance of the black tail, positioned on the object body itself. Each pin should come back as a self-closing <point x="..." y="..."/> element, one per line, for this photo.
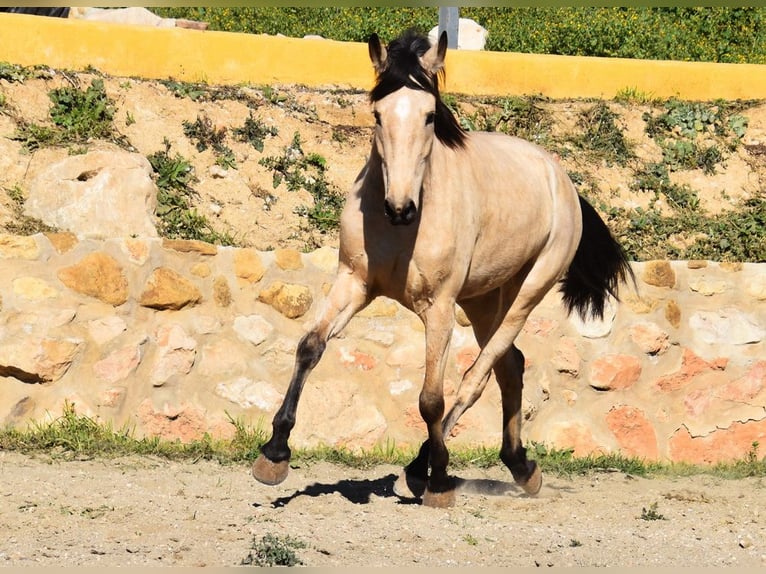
<point x="599" y="265"/>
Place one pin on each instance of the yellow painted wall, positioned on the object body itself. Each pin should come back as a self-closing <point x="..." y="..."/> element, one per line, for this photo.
<point x="229" y="58"/>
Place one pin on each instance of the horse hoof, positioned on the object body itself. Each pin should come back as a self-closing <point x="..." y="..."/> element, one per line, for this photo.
<point x="533" y="481"/>
<point x="268" y="472"/>
<point x="444" y="499"/>
<point x="409" y="486"/>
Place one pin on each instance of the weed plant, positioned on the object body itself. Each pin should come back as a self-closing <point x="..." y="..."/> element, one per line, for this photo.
<point x="77" y="117"/>
<point x="272" y="550"/>
<point x="600" y="135"/>
<point x="299" y="170"/>
<point x="177" y="218"/>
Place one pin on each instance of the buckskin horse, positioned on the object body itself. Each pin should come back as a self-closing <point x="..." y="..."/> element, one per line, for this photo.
<point x="440" y="216"/>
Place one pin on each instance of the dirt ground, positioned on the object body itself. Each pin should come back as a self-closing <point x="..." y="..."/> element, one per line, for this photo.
<point x="151" y="512"/>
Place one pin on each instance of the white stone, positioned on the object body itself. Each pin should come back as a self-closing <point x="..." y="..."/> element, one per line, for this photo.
<point x="247" y="393"/>
<point x="101" y="194"/>
<point x="593" y="327"/>
<point x="253" y="328"/>
<point x="105" y="329"/>
<point x="470" y="35"/>
<point x="726" y="326"/>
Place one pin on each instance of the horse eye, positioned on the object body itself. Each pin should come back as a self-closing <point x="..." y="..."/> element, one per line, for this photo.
<point x="377" y="117"/>
<point x="430" y="118"/>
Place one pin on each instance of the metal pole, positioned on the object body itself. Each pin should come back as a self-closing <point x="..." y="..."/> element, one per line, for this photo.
<point x="448" y="20"/>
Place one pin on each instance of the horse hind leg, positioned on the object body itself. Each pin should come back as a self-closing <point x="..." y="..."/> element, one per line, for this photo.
<point x="509" y="372"/>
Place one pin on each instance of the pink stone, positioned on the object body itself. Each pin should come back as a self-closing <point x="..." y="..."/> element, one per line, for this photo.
<point x="650" y="338"/>
<point x="185" y="423"/>
<point x="357" y="359"/>
<point x="540" y="326"/>
<point x="633" y="431"/>
<point x="176" y="353"/>
<point x="577" y="437"/>
<point x="747" y="387"/>
<point x="118" y="364"/>
<point x="566" y="358"/>
<point x="614" y="372"/>
<point x="722" y="445"/>
<point x="691" y="366"/>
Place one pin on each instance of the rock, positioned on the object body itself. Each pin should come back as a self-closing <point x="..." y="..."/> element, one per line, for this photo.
<point x="105" y="329"/>
<point x="119" y="364"/>
<point x="708" y="287"/>
<point x="356" y="359"/>
<point x="649" y="337"/>
<point x="248" y="266"/>
<point x="470" y="35"/>
<point x="691" y="366"/>
<point x="101" y="194"/>
<point x="253" y="328"/>
<point x="325" y="259"/>
<point x="176" y="353"/>
<point x="380" y="307"/>
<point x="63" y="241"/>
<point x="97" y="275"/>
<point x="221" y="291"/>
<point x="722" y="445"/>
<point x="190" y="246"/>
<point x="37" y="360"/>
<point x="673" y="313"/>
<point x="247" y="394"/>
<point x="594" y="327"/>
<point x="33" y="288"/>
<point x="201" y="270"/>
<point x="288" y="259"/>
<point x="634" y="432"/>
<point x="659" y="274"/>
<point x="167" y="289"/>
<point x="137" y="250"/>
<point x="185" y="423"/>
<point x="726" y="326"/>
<point x="291" y="300"/>
<point x="757" y="287"/>
<point x="566" y="358"/>
<point x="614" y="372"/>
<point x="15" y="247"/>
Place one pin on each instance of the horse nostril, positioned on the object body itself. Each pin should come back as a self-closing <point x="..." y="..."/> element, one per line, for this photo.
<point x="398" y="215"/>
<point x="409" y="212"/>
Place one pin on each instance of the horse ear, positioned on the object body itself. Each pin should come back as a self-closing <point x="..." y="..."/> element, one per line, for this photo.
<point x="377" y="53"/>
<point x="433" y="60"/>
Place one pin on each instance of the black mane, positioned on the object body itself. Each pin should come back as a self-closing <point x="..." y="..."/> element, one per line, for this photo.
<point x="403" y="69"/>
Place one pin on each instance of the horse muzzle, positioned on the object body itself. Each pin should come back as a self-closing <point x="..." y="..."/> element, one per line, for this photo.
<point x="401" y="215"/>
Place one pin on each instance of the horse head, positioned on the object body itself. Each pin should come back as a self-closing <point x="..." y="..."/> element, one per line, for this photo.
<point x="409" y="115"/>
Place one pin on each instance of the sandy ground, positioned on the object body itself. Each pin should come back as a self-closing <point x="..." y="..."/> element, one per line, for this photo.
<point x="150" y="512"/>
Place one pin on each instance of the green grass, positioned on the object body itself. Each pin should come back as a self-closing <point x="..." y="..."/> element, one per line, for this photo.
<point x="72" y="435"/>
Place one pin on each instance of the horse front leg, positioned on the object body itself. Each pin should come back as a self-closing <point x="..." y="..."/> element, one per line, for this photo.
<point x="439" y="320"/>
<point x="347" y="296"/>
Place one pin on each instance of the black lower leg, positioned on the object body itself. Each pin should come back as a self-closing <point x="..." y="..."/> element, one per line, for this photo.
<point x="309" y="352"/>
<point x="516" y="461"/>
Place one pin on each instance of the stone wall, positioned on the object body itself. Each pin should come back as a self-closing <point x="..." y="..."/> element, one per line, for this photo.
<point x="177" y="338"/>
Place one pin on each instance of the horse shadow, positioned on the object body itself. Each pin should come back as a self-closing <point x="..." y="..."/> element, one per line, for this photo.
<point x="361" y="491"/>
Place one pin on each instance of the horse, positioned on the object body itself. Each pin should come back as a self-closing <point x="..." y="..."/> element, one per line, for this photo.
<point x="440" y="216"/>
